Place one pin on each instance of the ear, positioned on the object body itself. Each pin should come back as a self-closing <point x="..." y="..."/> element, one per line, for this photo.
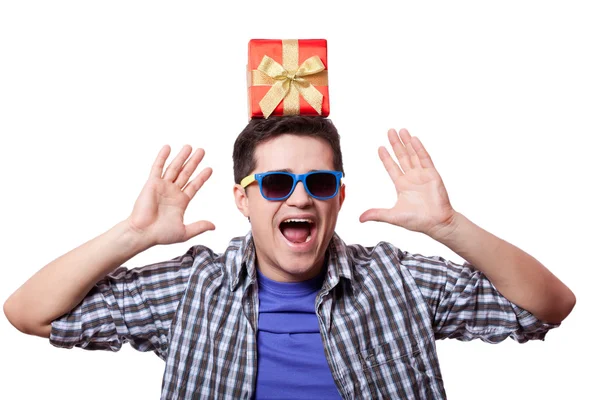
<point x="241" y="200"/>
<point x="342" y="195"/>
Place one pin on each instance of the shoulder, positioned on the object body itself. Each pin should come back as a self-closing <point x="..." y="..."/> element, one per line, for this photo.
<point x="358" y="259"/>
<point x="207" y="262"/>
<point x="360" y="255"/>
<point x="386" y="255"/>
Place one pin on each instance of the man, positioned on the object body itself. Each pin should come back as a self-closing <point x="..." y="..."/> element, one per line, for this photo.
<point x="290" y="310"/>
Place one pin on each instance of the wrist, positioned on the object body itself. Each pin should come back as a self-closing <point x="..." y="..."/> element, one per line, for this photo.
<point x="131" y="239"/>
<point x="446" y="231"/>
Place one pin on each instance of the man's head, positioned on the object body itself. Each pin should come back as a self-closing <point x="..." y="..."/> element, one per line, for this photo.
<point x="288" y="250"/>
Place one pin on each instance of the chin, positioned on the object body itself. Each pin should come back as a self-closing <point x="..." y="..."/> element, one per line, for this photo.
<point x="301" y="268"/>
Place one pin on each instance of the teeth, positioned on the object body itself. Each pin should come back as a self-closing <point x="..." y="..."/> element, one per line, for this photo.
<point x="298" y="220"/>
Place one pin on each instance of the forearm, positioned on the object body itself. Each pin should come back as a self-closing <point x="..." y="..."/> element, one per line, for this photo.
<point x="518" y="276"/>
<point x="59" y="286"/>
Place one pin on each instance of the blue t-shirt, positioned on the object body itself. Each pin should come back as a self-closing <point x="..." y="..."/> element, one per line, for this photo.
<point x="291" y="357"/>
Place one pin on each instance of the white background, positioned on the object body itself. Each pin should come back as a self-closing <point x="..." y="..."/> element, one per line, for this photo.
<point x="505" y="98"/>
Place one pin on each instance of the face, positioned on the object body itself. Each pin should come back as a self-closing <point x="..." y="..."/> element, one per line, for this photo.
<point x="278" y="257"/>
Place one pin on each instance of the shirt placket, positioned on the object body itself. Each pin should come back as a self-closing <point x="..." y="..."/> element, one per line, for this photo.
<point x="250" y="308"/>
<point x="323" y="311"/>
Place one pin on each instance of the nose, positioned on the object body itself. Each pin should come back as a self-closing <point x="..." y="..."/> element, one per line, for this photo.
<point x="299" y="197"/>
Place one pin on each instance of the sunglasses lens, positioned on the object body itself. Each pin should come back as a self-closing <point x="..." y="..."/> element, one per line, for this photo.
<point x="322" y="184"/>
<point x="276" y="186"/>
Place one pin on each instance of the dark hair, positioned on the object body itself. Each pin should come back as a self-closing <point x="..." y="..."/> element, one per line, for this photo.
<point x="261" y="130"/>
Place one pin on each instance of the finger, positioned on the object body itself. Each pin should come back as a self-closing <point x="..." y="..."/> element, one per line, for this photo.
<point x="424" y="156"/>
<point x="189" y="167"/>
<point x="376" y="214"/>
<point x="175" y="166"/>
<point x="196" y="228"/>
<point x="193" y="186"/>
<point x="159" y="163"/>
<point x="399" y="151"/>
<point x="407" y="140"/>
<point x="390" y="165"/>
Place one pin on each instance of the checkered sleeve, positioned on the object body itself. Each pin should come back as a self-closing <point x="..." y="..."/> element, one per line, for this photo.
<point x="465" y="305"/>
<point x="128" y="305"/>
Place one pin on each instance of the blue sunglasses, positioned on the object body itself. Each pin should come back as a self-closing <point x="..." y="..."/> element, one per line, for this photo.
<point x="279" y="185"/>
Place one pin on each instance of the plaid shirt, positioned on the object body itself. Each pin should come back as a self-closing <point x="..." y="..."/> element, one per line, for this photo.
<point x="380" y="311"/>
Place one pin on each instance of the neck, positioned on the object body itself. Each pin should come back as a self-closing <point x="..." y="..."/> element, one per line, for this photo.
<point x="290" y="274"/>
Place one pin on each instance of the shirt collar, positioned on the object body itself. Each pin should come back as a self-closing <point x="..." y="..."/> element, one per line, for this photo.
<point x="244" y="260"/>
<point x="338" y="264"/>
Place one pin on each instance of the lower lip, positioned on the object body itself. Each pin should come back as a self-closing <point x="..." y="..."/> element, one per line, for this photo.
<point x="300" y="247"/>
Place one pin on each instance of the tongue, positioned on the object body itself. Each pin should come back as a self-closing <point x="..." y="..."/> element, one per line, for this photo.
<point x="296" y="233"/>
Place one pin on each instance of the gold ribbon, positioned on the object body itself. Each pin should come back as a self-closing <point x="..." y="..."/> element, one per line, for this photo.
<point x="289" y="81"/>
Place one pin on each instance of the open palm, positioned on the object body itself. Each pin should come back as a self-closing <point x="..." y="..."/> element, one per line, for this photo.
<point x="423" y="204"/>
<point x="158" y="211"/>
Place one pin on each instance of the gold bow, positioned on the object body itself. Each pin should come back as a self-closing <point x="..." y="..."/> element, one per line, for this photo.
<point x="288" y="83"/>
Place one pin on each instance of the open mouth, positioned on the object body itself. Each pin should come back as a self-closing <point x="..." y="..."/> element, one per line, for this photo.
<point x="297" y="230"/>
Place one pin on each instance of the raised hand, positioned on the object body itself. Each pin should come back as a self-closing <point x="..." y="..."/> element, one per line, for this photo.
<point x="423" y="204"/>
<point x="158" y="211"/>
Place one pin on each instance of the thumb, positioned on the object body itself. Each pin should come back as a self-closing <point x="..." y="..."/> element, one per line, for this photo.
<point x="198" y="227"/>
<point x="376" y="214"/>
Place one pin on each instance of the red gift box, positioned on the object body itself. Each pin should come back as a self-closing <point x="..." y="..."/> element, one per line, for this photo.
<point x="287" y="77"/>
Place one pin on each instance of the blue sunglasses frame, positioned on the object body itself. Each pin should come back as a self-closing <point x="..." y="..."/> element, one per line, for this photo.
<point x="296" y="178"/>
